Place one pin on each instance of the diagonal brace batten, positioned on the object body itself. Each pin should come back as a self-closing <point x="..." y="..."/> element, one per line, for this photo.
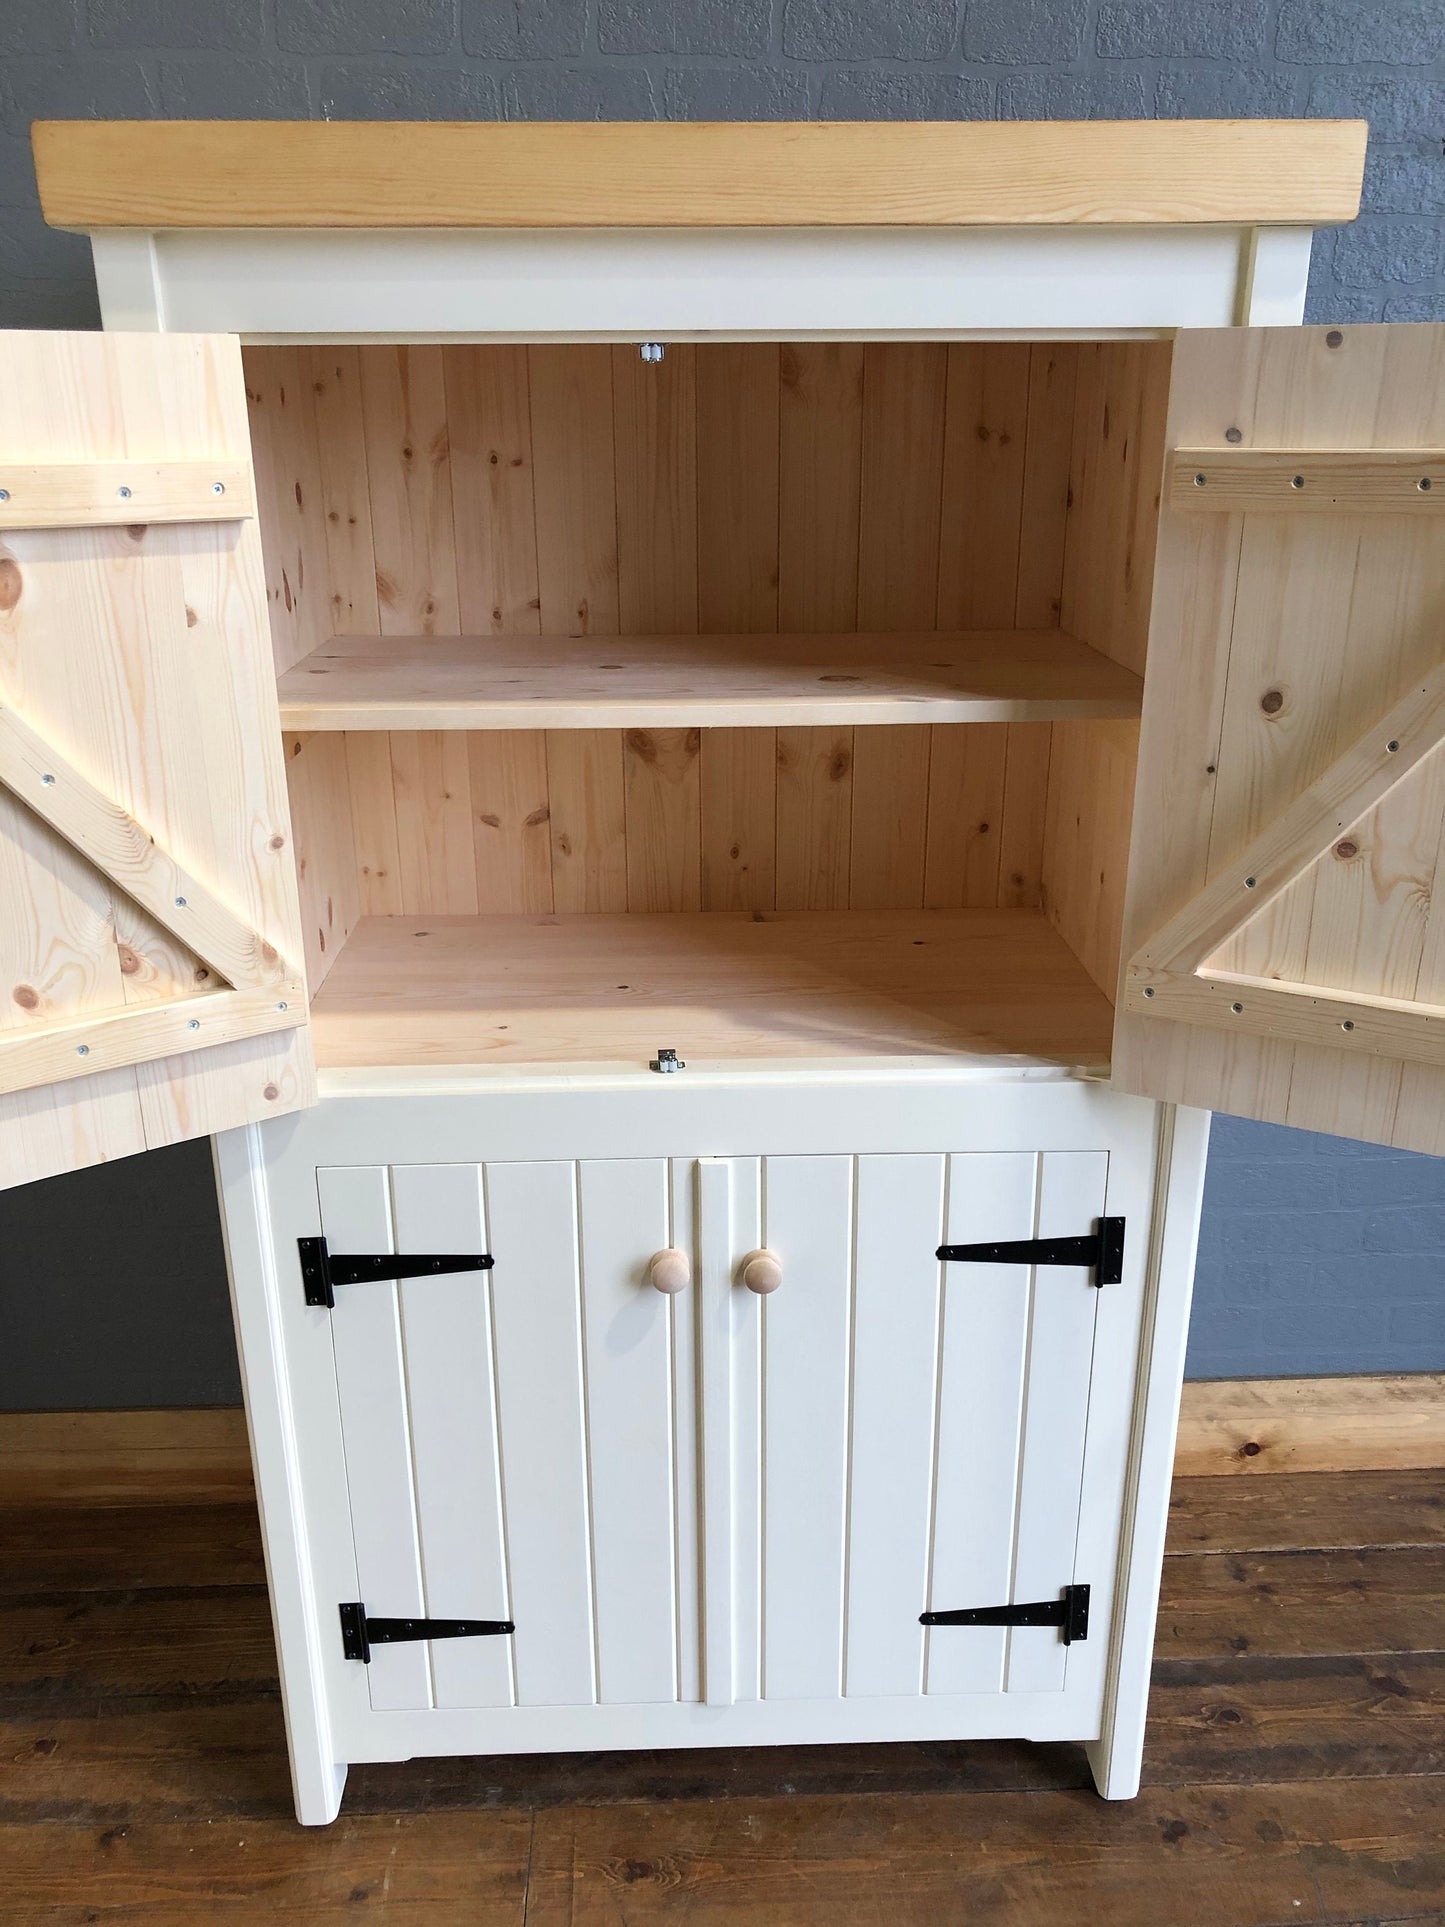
<point x="266" y="993"/>
<point x="1169" y="976"/>
<point x="110" y="838"/>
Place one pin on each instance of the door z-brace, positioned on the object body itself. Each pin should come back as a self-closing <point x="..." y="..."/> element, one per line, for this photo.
<point x="1171" y="976"/>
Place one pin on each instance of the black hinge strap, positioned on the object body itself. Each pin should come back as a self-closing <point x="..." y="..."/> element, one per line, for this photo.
<point x="1103" y="1249"/>
<point x="360" y="1632"/>
<point x="321" y="1271"/>
<point x="1069" y="1611"/>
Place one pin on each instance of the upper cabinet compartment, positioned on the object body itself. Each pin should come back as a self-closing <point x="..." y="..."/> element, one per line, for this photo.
<point x="736" y="535"/>
<point x="789" y="629"/>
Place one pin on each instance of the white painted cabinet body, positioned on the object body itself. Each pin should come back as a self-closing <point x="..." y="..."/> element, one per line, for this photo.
<point x="712" y="1516"/>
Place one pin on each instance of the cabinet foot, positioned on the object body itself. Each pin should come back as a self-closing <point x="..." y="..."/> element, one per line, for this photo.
<point x="1116" y="1761"/>
<point x="318" y="1794"/>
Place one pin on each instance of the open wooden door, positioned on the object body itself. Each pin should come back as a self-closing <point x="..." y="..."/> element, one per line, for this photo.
<point x="1284" y="952"/>
<point x="150" y="952"/>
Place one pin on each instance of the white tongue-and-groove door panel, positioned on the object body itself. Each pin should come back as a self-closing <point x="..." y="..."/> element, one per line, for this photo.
<point x="1285" y="952"/>
<point x="712" y="1495"/>
<point x="150" y="946"/>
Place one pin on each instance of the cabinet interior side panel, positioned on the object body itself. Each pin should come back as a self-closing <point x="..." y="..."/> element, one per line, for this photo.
<point x="1121" y="395"/>
<point x="747" y="488"/>
<point x="1086" y="840"/>
<point x="327" y="871"/>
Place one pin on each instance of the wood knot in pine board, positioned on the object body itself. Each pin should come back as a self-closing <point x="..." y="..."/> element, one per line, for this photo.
<point x="11" y="583"/>
<point x="27" y="996"/>
<point x="1272" y="701"/>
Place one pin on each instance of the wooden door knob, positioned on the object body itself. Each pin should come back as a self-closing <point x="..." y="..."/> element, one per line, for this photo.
<point x="762" y="1271"/>
<point x="669" y="1270"/>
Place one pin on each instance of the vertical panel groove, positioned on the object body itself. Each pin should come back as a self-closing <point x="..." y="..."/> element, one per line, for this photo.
<point x="580" y="1247"/>
<point x="497" y="1432"/>
<point x="672" y="1446"/>
<point x="1073" y="1571"/>
<point x="848" y="1428"/>
<point x="431" y="1679"/>
<point x="937" y="1420"/>
<point x="1025" y="1415"/>
<point x="764" y="1165"/>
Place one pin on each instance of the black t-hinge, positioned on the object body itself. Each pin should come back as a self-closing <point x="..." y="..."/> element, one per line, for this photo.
<point x="1103" y="1249"/>
<point x="322" y="1270"/>
<point x="1070" y="1611"/>
<point x="360" y="1632"/>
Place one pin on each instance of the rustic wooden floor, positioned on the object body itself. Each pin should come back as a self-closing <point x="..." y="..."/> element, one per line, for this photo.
<point x="1295" y="1773"/>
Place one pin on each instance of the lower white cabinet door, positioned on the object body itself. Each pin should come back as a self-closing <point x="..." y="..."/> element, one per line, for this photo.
<point x="902" y="1435"/>
<point x="520" y="1442"/>
<point x="713" y="1494"/>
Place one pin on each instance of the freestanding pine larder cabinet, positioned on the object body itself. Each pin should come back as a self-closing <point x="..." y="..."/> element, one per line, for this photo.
<point x="701" y="749"/>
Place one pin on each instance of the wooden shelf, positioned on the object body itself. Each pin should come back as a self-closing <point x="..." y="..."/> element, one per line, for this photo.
<point x="587" y="682"/>
<point x="981" y="986"/>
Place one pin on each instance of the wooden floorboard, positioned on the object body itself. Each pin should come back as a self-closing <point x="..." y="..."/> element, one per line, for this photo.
<point x="1295" y="1769"/>
<point x="1276" y="1603"/>
<point x="110" y="1548"/>
<point x="1307" y="1511"/>
<point x="1229" y="1722"/>
<point x="164" y="1639"/>
<point x="1307" y="1852"/>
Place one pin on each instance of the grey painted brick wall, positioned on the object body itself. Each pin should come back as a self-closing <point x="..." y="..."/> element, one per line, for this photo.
<point x="1317" y="1255"/>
